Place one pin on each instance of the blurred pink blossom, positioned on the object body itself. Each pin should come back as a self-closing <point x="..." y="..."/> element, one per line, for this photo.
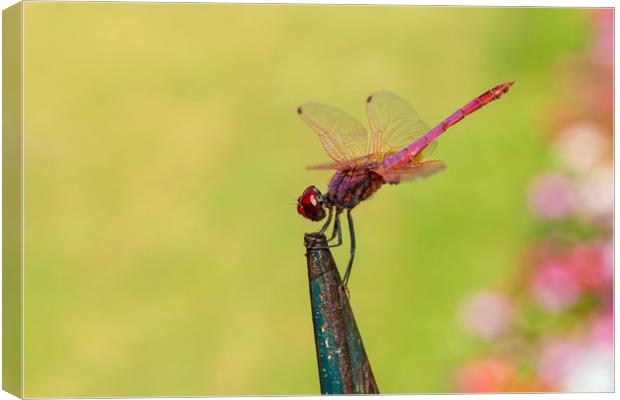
<point x="555" y="286"/>
<point x="581" y="146"/>
<point x="606" y="298"/>
<point x="596" y="194"/>
<point x="487" y="314"/>
<point x="561" y="269"/>
<point x="486" y="375"/>
<point x="590" y="264"/>
<point x="602" y="330"/>
<point x="555" y="359"/>
<point x="602" y="53"/>
<point x="607" y="252"/>
<point x="552" y="196"/>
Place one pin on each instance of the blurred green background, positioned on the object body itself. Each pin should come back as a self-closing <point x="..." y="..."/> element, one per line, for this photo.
<point x="163" y="156"/>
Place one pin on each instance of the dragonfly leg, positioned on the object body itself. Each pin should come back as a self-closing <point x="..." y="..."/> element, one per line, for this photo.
<point x="326" y="224"/>
<point x="347" y="273"/>
<point x="337" y="230"/>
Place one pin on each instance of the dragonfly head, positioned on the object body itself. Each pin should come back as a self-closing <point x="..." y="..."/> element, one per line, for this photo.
<point x="310" y="204"/>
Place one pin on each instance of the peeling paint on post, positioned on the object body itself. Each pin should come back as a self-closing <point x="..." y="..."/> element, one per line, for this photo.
<point x="342" y="361"/>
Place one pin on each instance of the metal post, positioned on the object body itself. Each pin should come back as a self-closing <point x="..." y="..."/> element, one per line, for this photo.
<point x="342" y="361"/>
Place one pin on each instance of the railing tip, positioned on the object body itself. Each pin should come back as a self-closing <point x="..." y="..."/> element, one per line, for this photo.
<point x="311" y="239"/>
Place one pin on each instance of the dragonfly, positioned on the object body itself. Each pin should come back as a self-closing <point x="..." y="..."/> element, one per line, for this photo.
<point x="396" y="149"/>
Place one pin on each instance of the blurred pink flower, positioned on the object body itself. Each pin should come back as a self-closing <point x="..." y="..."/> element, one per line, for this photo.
<point x="558" y="272"/>
<point x="552" y="196"/>
<point x="486" y="375"/>
<point x="555" y="359"/>
<point x="596" y="194"/>
<point x="590" y="264"/>
<point x="607" y="253"/>
<point x="602" y="330"/>
<point x="602" y="53"/>
<point x="605" y="297"/>
<point x="487" y="314"/>
<point x="581" y="146"/>
<point x="554" y="286"/>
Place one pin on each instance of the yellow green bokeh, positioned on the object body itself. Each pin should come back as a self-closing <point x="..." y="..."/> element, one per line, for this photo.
<point x="163" y="157"/>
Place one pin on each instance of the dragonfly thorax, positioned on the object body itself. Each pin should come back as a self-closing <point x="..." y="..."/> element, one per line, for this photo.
<point x="349" y="187"/>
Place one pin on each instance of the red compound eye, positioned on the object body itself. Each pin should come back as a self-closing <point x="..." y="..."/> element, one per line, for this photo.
<point x="310" y="204"/>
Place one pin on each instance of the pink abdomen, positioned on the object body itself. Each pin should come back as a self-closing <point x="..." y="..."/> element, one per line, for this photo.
<point x="406" y="155"/>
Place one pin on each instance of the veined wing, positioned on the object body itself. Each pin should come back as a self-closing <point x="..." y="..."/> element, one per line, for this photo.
<point x="343" y="137"/>
<point x="415" y="170"/>
<point x="394" y="124"/>
<point x="356" y="162"/>
<point x="427" y="151"/>
<point x="371" y="159"/>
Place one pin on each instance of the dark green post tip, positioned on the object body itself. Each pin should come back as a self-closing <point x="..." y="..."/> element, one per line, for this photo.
<point x="342" y="361"/>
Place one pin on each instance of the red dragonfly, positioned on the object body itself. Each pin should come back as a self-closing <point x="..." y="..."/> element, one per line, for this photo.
<point x="396" y="150"/>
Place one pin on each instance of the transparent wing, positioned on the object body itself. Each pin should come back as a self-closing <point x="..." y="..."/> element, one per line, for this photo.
<point x="415" y="170"/>
<point x="428" y="150"/>
<point x="359" y="161"/>
<point x="343" y="137"/>
<point x="394" y="123"/>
